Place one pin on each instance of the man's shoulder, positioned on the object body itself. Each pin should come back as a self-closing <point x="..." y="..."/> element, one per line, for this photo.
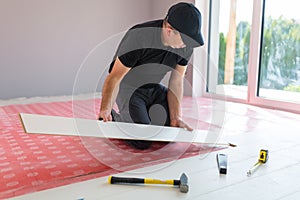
<point x="149" y="24"/>
<point x="145" y="35"/>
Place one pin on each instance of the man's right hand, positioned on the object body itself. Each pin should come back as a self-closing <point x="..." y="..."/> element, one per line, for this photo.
<point x="105" y="115"/>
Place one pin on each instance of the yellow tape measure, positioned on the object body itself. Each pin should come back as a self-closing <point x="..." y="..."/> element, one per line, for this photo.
<point x="263" y="158"/>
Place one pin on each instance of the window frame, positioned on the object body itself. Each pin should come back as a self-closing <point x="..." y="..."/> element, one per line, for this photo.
<point x="202" y="57"/>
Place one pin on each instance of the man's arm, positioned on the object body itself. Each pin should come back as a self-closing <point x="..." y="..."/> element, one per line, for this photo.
<point x="111" y="88"/>
<point x="175" y="94"/>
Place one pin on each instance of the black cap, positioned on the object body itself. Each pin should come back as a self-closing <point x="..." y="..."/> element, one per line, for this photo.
<point x="186" y="19"/>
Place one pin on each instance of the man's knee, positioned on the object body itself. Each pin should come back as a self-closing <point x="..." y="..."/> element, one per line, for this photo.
<point x="139" y="144"/>
<point x="158" y="115"/>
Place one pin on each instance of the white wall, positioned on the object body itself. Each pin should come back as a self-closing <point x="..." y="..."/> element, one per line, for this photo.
<point x="44" y="42"/>
<point x="160" y="7"/>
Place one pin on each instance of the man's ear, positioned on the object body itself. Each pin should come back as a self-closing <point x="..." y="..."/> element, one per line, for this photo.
<point x="168" y="31"/>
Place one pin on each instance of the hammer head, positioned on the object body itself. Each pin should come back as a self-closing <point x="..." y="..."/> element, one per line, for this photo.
<point x="183" y="183"/>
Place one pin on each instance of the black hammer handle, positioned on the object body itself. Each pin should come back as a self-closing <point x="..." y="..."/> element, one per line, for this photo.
<point x="127" y="180"/>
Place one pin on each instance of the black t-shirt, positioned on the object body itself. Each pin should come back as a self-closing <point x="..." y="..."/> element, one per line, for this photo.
<point x="141" y="49"/>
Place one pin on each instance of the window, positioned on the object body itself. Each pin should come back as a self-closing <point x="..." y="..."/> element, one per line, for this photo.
<point x="280" y="52"/>
<point x="230" y="26"/>
<point x="254" y="52"/>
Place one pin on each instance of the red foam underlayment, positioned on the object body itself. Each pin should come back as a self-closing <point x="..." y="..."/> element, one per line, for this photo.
<point x="35" y="162"/>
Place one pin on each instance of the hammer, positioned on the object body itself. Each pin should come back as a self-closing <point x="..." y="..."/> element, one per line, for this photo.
<point x="182" y="183"/>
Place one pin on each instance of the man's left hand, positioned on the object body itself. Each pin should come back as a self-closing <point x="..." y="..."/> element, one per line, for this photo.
<point x="181" y="124"/>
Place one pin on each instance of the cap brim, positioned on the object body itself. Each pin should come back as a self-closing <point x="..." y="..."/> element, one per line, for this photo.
<point x="192" y="41"/>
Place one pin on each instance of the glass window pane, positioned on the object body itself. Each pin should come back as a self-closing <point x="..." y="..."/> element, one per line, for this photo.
<point x="280" y="56"/>
<point x="230" y="26"/>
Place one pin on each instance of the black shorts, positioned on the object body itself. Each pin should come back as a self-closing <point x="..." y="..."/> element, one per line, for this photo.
<point x="145" y="105"/>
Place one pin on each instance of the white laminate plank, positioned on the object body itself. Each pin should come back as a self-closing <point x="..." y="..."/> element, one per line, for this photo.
<point x="54" y="125"/>
<point x="271" y="186"/>
<point x="291" y="196"/>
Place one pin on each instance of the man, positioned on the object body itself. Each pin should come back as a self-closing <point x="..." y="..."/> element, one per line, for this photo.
<point x="145" y="55"/>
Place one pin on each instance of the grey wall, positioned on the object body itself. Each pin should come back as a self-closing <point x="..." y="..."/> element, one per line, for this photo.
<point x="160" y="7"/>
<point x="43" y="43"/>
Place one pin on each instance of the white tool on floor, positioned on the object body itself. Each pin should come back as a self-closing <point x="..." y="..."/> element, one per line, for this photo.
<point x="222" y="163"/>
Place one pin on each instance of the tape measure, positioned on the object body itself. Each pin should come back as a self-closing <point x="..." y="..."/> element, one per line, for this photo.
<point x="263" y="156"/>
